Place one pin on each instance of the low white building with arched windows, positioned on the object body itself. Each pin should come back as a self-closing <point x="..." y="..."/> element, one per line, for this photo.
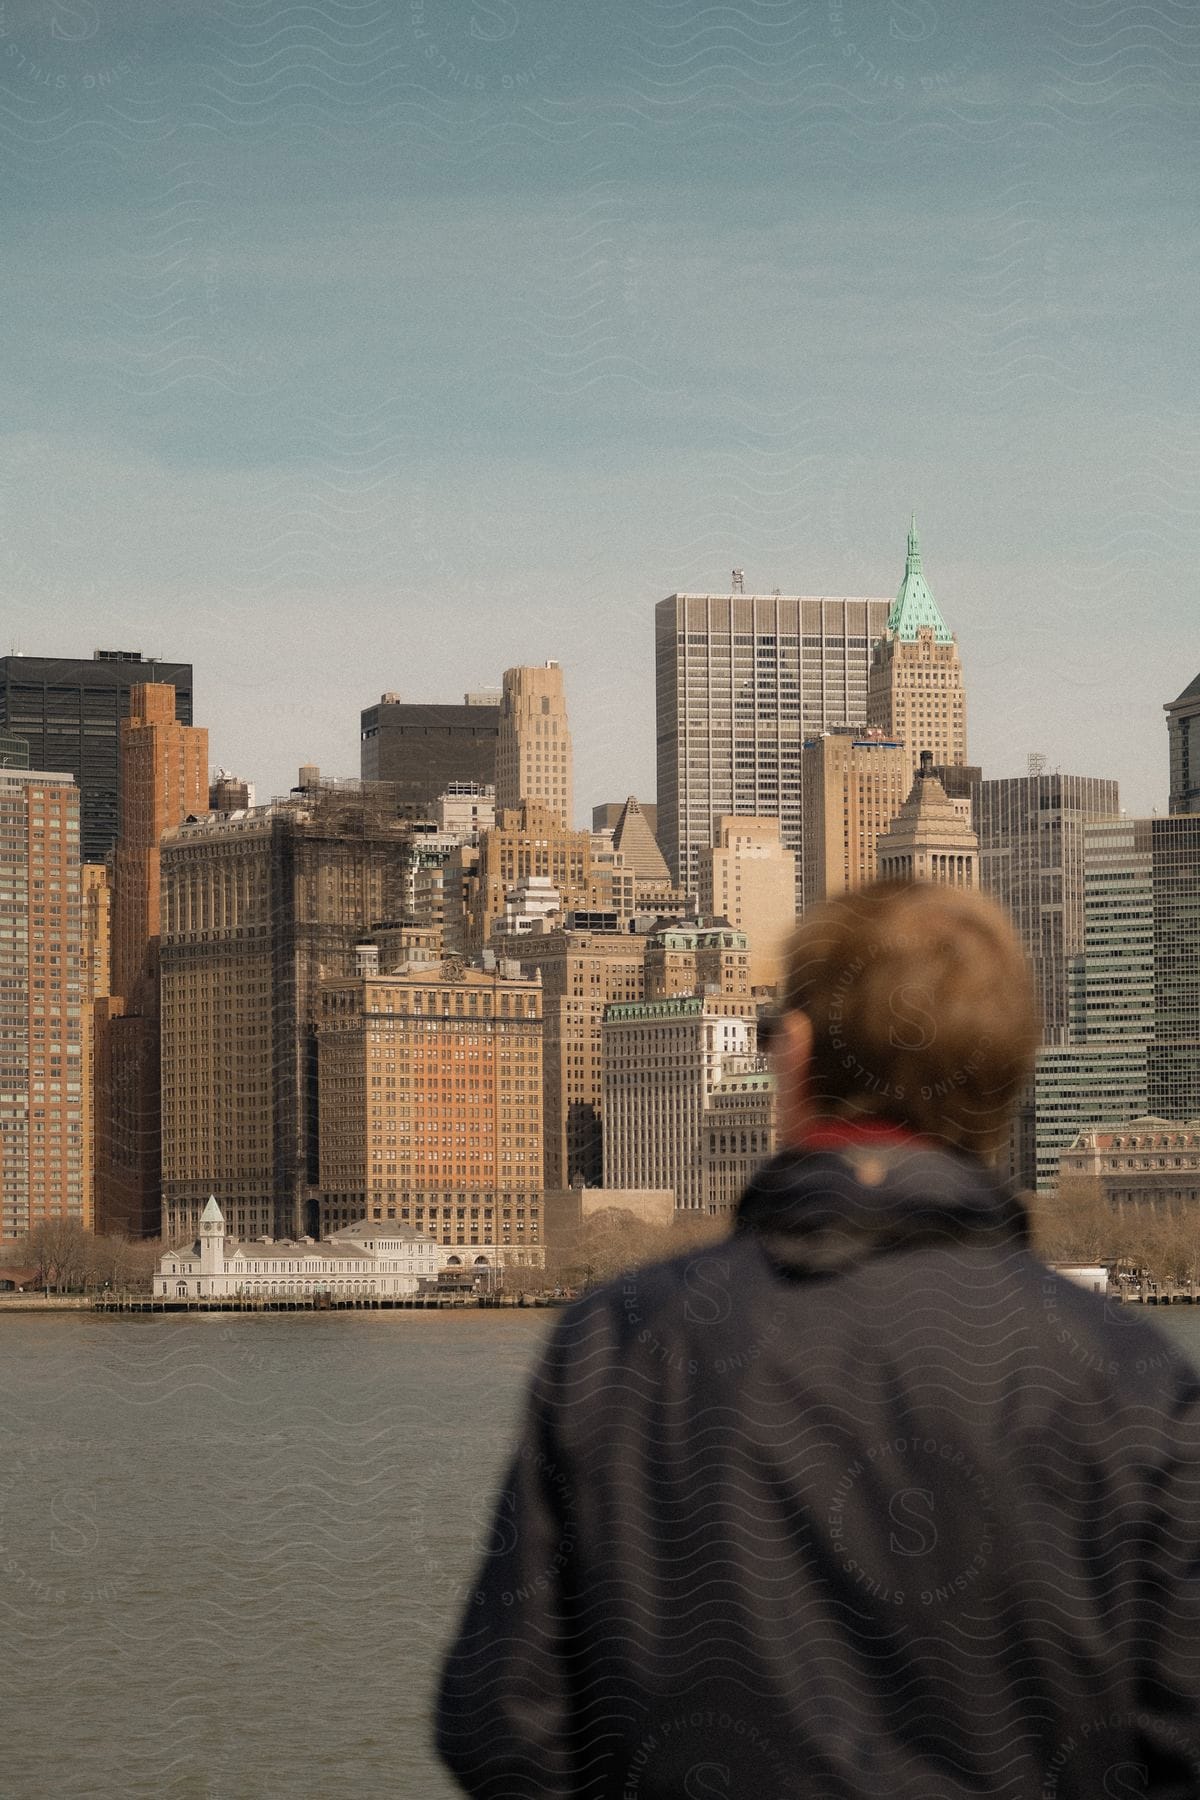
<point x="371" y="1261"/>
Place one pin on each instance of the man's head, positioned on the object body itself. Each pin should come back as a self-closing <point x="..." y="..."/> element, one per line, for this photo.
<point x="909" y="1002"/>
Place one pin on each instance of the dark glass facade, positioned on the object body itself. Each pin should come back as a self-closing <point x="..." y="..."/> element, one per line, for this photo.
<point x="422" y="749"/>
<point x="69" y="712"/>
<point x="1031" y="858"/>
<point x="1175" y="1052"/>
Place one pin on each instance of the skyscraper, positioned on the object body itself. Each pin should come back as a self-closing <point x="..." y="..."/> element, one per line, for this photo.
<point x="41" y="1046"/>
<point x="854" y="781"/>
<point x="740" y="681"/>
<point x="749" y="879"/>
<point x="95" y="983"/>
<point x="929" y="839"/>
<point x="70" y="713"/>
<point x="662" y="1060"/>
<point x="424" y="748"/>
<point x="164" y="778"/>
<point x="430" y="1085"/>
<point x="915" y="687"/>
<point x="533" y="754"/>
<point x="582" y="972"/>
<point x="1174" y="1080"/>
<point x="1031" y="858"/>
<point x="258" y="907"/>
<point x="1099" y="1075"/>
<point x="1183" y="733"/>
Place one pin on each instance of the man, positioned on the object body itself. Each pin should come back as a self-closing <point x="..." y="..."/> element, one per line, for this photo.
<point x="862" y="1501"/>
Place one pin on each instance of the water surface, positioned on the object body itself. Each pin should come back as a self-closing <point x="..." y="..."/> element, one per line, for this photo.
<point x="232" y="1548"/>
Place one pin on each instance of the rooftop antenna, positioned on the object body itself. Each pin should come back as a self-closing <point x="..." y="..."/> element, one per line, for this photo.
<point x="1035" y="763"/>
<point x="739" y="581"/>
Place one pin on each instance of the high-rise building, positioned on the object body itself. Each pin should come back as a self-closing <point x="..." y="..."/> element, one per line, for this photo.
<point x="95" y="983"/>
<point x="41" y="1044"/>
<point x="1174" y="1081"/>
<point x="533" y="755"/>
<point x="423" y="748"/>
<point x="738" y="1132"/>
<point x="526" y="840"/>
<point x="661" y="1060"/>
<point x="430" y="1086"/>
<point x="748" y="879"/>
<point x="930" y="839"/>
<point x="1031" y="859"/>
<point x="1110" y="981"/>
<point x="70" y="711"/>
<point x="14" y="751"/>
<point x="1183" y="733"/>
<point x="741" y="680"/>
<point x="164" y="779"/>
<point x="915" y="687"/>
<point x="1097" y="1073"/>
<point x="257" y="908"/>
<point x="582" y="972"/>
<point x="710" y="960"/>
<point x="853" y="783"/>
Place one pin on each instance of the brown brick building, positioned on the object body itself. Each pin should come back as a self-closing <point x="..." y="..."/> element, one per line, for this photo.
<point x="41" y="1073"/>
<point x="257" y="909"/>
<point x="164" y="778"/>
<point x="430" y="1108"/>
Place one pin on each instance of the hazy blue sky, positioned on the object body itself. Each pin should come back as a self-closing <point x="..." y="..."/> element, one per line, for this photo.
<point x="365" y="346"/>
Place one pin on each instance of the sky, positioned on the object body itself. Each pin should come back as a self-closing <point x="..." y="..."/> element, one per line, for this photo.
<point x="381" y="345"/>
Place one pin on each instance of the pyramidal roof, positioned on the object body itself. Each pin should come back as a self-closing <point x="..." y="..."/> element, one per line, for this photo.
<point x="212" y="1214"/>
<point x="929" y="816"/>
<point x="914" y="606"/>
<point x="633" y="837"/>
<point x="1190" y="692"/>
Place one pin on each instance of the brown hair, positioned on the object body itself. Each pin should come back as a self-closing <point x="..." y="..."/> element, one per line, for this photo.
<point x="922" y="1009"/>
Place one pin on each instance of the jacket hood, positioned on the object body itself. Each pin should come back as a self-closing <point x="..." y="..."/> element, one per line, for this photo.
<point x="823" y="1210"/>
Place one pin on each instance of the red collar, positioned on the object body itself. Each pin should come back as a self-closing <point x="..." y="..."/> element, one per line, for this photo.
<point x="840" y="1134"/>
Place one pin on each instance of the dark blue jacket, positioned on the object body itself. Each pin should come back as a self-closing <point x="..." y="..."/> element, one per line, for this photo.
<point x="863" y="1502"/>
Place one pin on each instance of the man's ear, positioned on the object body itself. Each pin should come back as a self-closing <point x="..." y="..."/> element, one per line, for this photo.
<point x="791" y="1052"/>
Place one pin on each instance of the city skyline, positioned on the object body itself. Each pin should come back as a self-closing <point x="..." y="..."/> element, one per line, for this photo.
<point x="575" y="309"/>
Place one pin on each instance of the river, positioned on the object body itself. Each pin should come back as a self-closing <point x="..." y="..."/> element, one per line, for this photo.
<point x="231" y="1548"/>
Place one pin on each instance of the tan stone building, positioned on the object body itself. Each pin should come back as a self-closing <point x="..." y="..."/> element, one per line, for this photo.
<point x="430" y="1085"/>
<point x="164" y="779"/>
<point x="749" y="879"/>
<point x="41" y="1048"/>
<point x="662" y="1059"/>
<point x="582" y="972"/>
<point x="915" y="686"/>
<point x="1147" y="1162"/>
<point x="854" y="782"/>
<point x="533" y="753"/>
<point x="738" y="1131"/>
<point x="929" y="839"/>
<point x="713" y="960"/>
<point x="526" y="840"/>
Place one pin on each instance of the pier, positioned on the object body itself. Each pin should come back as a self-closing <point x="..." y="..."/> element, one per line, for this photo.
<point x="236" y="1303"/>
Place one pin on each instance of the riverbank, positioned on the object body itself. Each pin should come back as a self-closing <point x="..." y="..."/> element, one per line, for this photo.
<point x="146" y="1303"/>
<point x="26" y="1303"/>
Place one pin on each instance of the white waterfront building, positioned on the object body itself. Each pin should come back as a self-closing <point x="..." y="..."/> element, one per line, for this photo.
<point x="372" y="1261"/>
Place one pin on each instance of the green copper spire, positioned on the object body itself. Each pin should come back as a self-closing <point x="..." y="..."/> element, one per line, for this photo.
<point x="914" y="605"/>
